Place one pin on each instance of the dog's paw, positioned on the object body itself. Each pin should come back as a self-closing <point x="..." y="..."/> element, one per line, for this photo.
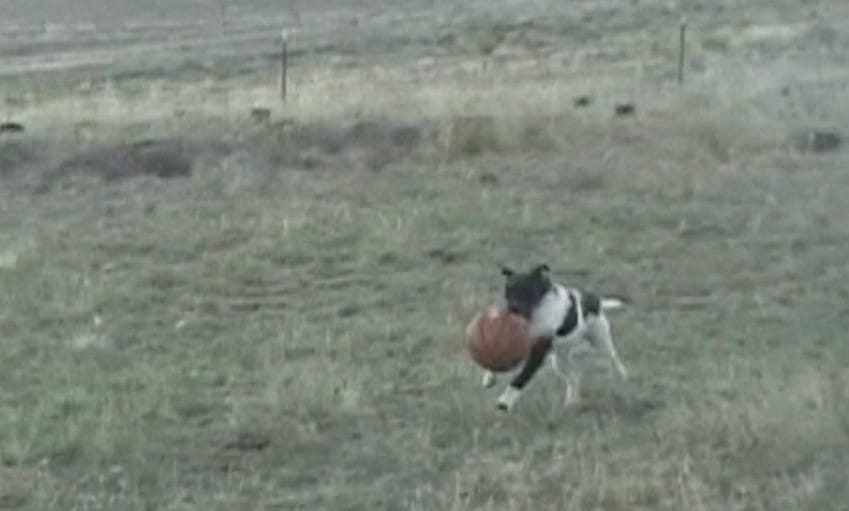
<point x="508" y="398"/>
<point x="489" y="380"/>
<point x="619" y="367"/>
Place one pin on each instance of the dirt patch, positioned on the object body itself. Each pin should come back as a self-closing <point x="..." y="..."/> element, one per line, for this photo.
<point x="363" y="145"/>
<point x="159" y="158"/>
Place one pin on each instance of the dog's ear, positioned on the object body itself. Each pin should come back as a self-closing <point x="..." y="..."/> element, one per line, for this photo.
<point x="507" y="272"/>
<point x="542" y="270"/>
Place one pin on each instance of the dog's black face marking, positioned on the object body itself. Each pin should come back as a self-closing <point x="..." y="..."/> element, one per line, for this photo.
<point x="524" y="291"/>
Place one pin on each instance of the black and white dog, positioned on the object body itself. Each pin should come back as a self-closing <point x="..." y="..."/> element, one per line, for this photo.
<point x="562" y="321"/>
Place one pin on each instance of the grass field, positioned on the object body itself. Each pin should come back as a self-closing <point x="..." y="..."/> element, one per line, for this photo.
<point x="282" y="328"/>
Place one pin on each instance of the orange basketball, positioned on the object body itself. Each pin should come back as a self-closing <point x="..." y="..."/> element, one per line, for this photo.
<point x="498" y="340"/>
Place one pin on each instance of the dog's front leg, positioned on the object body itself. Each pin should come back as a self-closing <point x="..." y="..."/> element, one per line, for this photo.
<point x="489" y="379"/>
<point x="539" y="350"/>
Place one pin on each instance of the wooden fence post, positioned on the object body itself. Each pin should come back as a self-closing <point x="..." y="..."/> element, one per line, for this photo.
<point x="682" y="50"/>
<point x="284" y="64"/>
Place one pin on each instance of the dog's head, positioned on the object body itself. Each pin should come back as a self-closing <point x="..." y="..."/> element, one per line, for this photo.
<point x="524" y="291"/>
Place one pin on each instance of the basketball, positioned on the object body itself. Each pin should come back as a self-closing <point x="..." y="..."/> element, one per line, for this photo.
<point x="498" y="340"/>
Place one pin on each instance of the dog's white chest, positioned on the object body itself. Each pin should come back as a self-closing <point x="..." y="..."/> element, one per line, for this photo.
<point x="549" y="314"/>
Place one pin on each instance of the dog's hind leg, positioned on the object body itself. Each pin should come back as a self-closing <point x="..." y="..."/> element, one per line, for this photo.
<point x="539" y="350"/>
<point x="570" y="378"/>
<point x="601" y="337"/>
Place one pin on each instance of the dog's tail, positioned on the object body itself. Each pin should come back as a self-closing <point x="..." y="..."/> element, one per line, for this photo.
<point x="613" y="302"/>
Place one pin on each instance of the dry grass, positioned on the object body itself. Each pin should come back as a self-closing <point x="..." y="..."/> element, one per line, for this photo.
<point x="264" y="336"/>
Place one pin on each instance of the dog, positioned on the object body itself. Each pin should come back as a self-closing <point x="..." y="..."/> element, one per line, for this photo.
<point x="560" y="320"/>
